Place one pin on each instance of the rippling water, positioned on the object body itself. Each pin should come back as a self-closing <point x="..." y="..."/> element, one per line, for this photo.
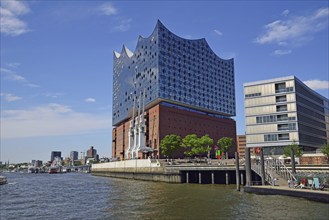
<point x="83" y="196"/>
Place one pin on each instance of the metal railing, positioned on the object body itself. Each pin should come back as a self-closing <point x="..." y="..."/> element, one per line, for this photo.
<point x="273" y="167"/>
<point x="269" y="179"/>
<point x="278" y="167"/>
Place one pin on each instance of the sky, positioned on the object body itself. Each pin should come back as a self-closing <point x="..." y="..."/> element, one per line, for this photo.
<point x="57" y="60"/>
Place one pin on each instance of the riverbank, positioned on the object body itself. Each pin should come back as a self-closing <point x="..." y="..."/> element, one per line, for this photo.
<point x="210" y="172"/>
<point x="314" y="195"/>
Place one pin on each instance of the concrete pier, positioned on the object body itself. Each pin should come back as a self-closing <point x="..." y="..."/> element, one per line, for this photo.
<point x="314" y="195"/>
<point x="164" y="172"/>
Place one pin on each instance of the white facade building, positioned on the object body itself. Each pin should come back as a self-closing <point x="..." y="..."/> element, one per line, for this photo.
<point x="283" y="111"/>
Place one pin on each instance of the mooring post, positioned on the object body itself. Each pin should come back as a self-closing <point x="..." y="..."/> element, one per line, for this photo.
<point x="187" y="180"/>
<point x="293" y="163"/>
<point x="237" y="171"/>
<point x="262" y="166"/>
<point x="226" y="177"/>
<point x="248" y="167"/>
<point x="212" y="177"/>
<point x="200" y="180"/>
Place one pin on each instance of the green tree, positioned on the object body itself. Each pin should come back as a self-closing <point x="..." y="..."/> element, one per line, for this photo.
<point x="192" y="143"/>
<point x="325" y="150"/>
<point x="225" y="143"/>
<point x="169" y="144"/>
<point x="297" y="150"/>
<point x="206" y="143"/>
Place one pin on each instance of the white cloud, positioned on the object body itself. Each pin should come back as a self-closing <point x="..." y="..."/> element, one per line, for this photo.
<point x="10" y="97"/>
<point x="13" y="65"/>
<point x="50" y="120"/>
<point x="282" y="52"/>
<point x="124" y="25"/>
<point x="108" y="9"/>
<point x="219" y="33"/>
<point x="282" y="43"/>
<point x="53" y="95"/>
<point x="13" y="76"/>
<point x="90" y="100"/>
<point x="10" y="24"/>
<point x="32" y="85"/>
<point x="317" y="84"/>
<point x="296" y="28"/>
<point x="285" y="12"/>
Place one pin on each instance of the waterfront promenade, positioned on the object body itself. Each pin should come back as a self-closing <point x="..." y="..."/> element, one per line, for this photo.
<point x="310" y="194"/>
<point x="201" y="172"/>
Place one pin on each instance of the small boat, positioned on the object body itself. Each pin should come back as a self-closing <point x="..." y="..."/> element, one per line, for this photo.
<point x="53" y="170"/>
<point x="3" y="180"/>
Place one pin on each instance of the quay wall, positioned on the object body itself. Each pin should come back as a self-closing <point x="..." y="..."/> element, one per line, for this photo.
<point x="147" y="170"/>
<point x="319" y="196"/>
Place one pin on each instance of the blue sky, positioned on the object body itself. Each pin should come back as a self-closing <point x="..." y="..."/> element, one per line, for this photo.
<point x="57" y="60"/>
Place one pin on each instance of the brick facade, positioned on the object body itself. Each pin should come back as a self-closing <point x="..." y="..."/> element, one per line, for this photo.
<point x="161" y="120"/>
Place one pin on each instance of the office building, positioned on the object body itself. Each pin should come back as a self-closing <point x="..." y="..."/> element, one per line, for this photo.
<point x="283" y="111"/>
<point x="174" y="86"/>
<point x="55" y="154"/>
<point x="92" y="153"/>
<point x="74" y="155"/>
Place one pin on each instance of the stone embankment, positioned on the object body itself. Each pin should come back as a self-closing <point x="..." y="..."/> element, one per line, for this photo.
<point x="150" y="170"/>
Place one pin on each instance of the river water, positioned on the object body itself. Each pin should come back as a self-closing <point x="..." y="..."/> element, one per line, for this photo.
<point x="83" y="196"/>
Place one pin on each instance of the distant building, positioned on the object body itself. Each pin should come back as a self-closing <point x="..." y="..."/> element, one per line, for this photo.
<point x="55" y="154"/>
<point x="38" y="163"/>
<point x="283" y="111"/>
<point x="74" y="155"/>
<point x="92" y="153"/>
<point x="241" y="145"/>
<point x="170" y="85"/>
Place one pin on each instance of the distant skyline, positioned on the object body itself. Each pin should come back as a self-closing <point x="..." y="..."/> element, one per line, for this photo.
<point x="57" y="60"/>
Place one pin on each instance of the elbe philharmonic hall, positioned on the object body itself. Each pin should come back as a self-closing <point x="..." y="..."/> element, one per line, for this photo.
<point x="169" y="85"/>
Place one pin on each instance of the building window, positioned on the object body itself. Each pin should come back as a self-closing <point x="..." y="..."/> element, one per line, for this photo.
<point x="270" y="137"/>
<point x="282" y="117"/>
<point x="253" y="95"/>
<point x="282" y="98"/>
<point x="280" y="87"/>
<point x="287" y="127"/>
<point x="266" y="119"/>
<point x="281" y="108"/>
<point x="283" y="137"/>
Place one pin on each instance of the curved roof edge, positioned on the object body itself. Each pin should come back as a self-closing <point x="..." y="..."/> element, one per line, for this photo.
<point x="160" y="24"/>
<point x="203" y="40"/>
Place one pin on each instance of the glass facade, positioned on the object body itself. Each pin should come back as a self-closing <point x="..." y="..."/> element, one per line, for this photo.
<point x="286" y="111"/>
<point x="169" y="68"/>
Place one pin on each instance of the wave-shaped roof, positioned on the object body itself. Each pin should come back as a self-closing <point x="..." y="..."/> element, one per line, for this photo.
<point x="159" y="24"/>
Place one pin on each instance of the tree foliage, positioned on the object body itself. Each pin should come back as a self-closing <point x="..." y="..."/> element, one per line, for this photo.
<point x="225" y="143"/>
<point x="297" y="150"/>
<point x="325" y="150"/>
<point x="206" y="143"/>
<point x="196" y="145"/>
<point x="169" y="144"/>
<point x="191" y="142"/>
